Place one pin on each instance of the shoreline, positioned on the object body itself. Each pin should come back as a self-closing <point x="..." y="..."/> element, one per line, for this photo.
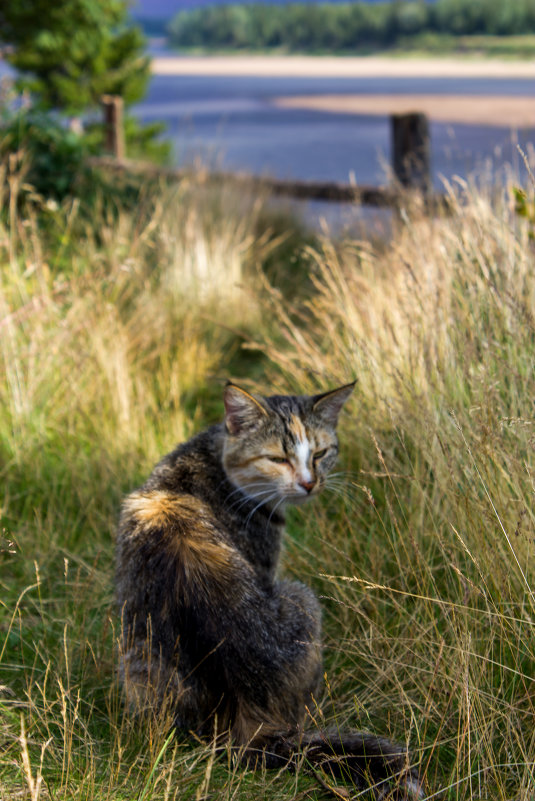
<point x="495" y="110"/>
<point x="341" y="66"/>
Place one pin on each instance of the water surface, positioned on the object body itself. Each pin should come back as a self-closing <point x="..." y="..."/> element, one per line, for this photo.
<point x="231" y="122"/>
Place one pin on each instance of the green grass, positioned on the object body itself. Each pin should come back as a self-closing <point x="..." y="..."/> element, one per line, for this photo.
<point x="117" y="334"/>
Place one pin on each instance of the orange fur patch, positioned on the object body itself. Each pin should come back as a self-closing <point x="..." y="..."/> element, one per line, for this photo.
<point x="191" y="537"/>
<point x="158" y="508"/>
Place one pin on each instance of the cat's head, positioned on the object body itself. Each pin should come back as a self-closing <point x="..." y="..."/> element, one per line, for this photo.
<point x="280" y="449"/>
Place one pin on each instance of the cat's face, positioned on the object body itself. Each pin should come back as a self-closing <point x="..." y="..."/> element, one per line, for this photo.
<point x="280" y="449"/>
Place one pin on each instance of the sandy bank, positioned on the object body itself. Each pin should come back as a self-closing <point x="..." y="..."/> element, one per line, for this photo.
<point x="342" y="67"/>
<point x="509" y="112"/>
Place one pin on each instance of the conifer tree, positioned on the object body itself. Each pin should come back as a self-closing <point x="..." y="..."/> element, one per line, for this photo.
<point x="69" y="53"/>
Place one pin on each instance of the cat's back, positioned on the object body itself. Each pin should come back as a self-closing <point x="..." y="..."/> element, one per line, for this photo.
<point x="193" y="467"/>
<point x="174" y="517"/>
<point x="188" y="518"/>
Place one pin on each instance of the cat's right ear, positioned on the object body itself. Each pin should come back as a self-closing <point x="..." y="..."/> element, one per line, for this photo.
<point x="243" y="412"/>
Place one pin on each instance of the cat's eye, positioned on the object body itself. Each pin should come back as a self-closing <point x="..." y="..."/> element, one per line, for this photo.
<point x="278" y="459"/>
<point x="320" y="454"/>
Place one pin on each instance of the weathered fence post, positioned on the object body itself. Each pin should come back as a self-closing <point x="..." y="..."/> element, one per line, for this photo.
<point x="411" y="152"/>
<point x="112" y="106"/>
<point x="411" y="163"/>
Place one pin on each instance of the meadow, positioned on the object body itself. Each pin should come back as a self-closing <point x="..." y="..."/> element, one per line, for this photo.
<point x="119" y="324"/>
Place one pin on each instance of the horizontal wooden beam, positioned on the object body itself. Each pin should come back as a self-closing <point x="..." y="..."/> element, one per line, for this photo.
<point x="330" y="192"/>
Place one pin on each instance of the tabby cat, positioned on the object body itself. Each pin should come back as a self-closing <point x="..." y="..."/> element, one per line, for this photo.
<point x="211" y="633"/>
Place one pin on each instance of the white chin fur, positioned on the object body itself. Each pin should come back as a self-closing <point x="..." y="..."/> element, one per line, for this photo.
<point x="298" y="496"/>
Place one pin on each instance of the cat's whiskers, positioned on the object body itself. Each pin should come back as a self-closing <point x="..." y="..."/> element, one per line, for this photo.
<point x="271" y="492"/>
<point x="341" y="480"/>
<point x="246" y="496"/>
<point x="338" y="483"/>
<point x="344" y="474"/>
<point x="273" y="495"/>
<point x="279" y="502"/>
<point x="244" y="488"/>
<point x="342" y="477"/>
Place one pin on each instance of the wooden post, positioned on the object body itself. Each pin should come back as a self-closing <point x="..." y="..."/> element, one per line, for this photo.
<point x="112" y="106"/>
<point x="411" y="159"/>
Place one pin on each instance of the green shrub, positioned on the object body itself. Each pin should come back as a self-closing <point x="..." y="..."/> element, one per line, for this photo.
<point x="53" y="155"/>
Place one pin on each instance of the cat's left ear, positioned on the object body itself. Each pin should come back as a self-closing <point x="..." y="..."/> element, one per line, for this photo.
<point x="329" y="405"/>
<point x="242" y="410"/>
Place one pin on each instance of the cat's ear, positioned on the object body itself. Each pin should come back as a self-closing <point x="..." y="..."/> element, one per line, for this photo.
<point x="242" y="411"/>
<point x="328" y="405"/>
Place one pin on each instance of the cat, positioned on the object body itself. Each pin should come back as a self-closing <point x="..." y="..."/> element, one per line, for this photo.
<point x="210" y="632"/>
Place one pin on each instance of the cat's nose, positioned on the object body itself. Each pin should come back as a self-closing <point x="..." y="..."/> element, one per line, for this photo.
<point x="307" y="485"/>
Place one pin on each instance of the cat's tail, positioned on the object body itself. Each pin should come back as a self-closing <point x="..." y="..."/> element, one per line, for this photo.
<point x="363" y="759"/>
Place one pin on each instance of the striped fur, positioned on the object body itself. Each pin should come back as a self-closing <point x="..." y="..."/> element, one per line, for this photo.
<point x="210" y="632"/>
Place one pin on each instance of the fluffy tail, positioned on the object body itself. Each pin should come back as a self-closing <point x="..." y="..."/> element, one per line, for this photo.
<point x="363" y="759"/>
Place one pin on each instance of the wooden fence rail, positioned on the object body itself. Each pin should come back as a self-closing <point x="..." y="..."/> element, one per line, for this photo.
<point x="410" y="167"/>
<point x="301" y="190"/>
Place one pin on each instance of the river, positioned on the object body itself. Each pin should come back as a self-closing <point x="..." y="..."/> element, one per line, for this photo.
<point x="232" y="123"/>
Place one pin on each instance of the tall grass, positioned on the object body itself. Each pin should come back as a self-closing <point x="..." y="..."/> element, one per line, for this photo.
<point x="116" y="332"/>
<point x="428" y="554"/>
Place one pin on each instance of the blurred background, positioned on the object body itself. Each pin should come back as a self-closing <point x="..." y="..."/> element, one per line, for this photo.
<point x="292" y="90"/>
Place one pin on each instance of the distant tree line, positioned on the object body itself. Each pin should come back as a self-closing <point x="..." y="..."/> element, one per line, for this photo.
<point x="345" y="26"/>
